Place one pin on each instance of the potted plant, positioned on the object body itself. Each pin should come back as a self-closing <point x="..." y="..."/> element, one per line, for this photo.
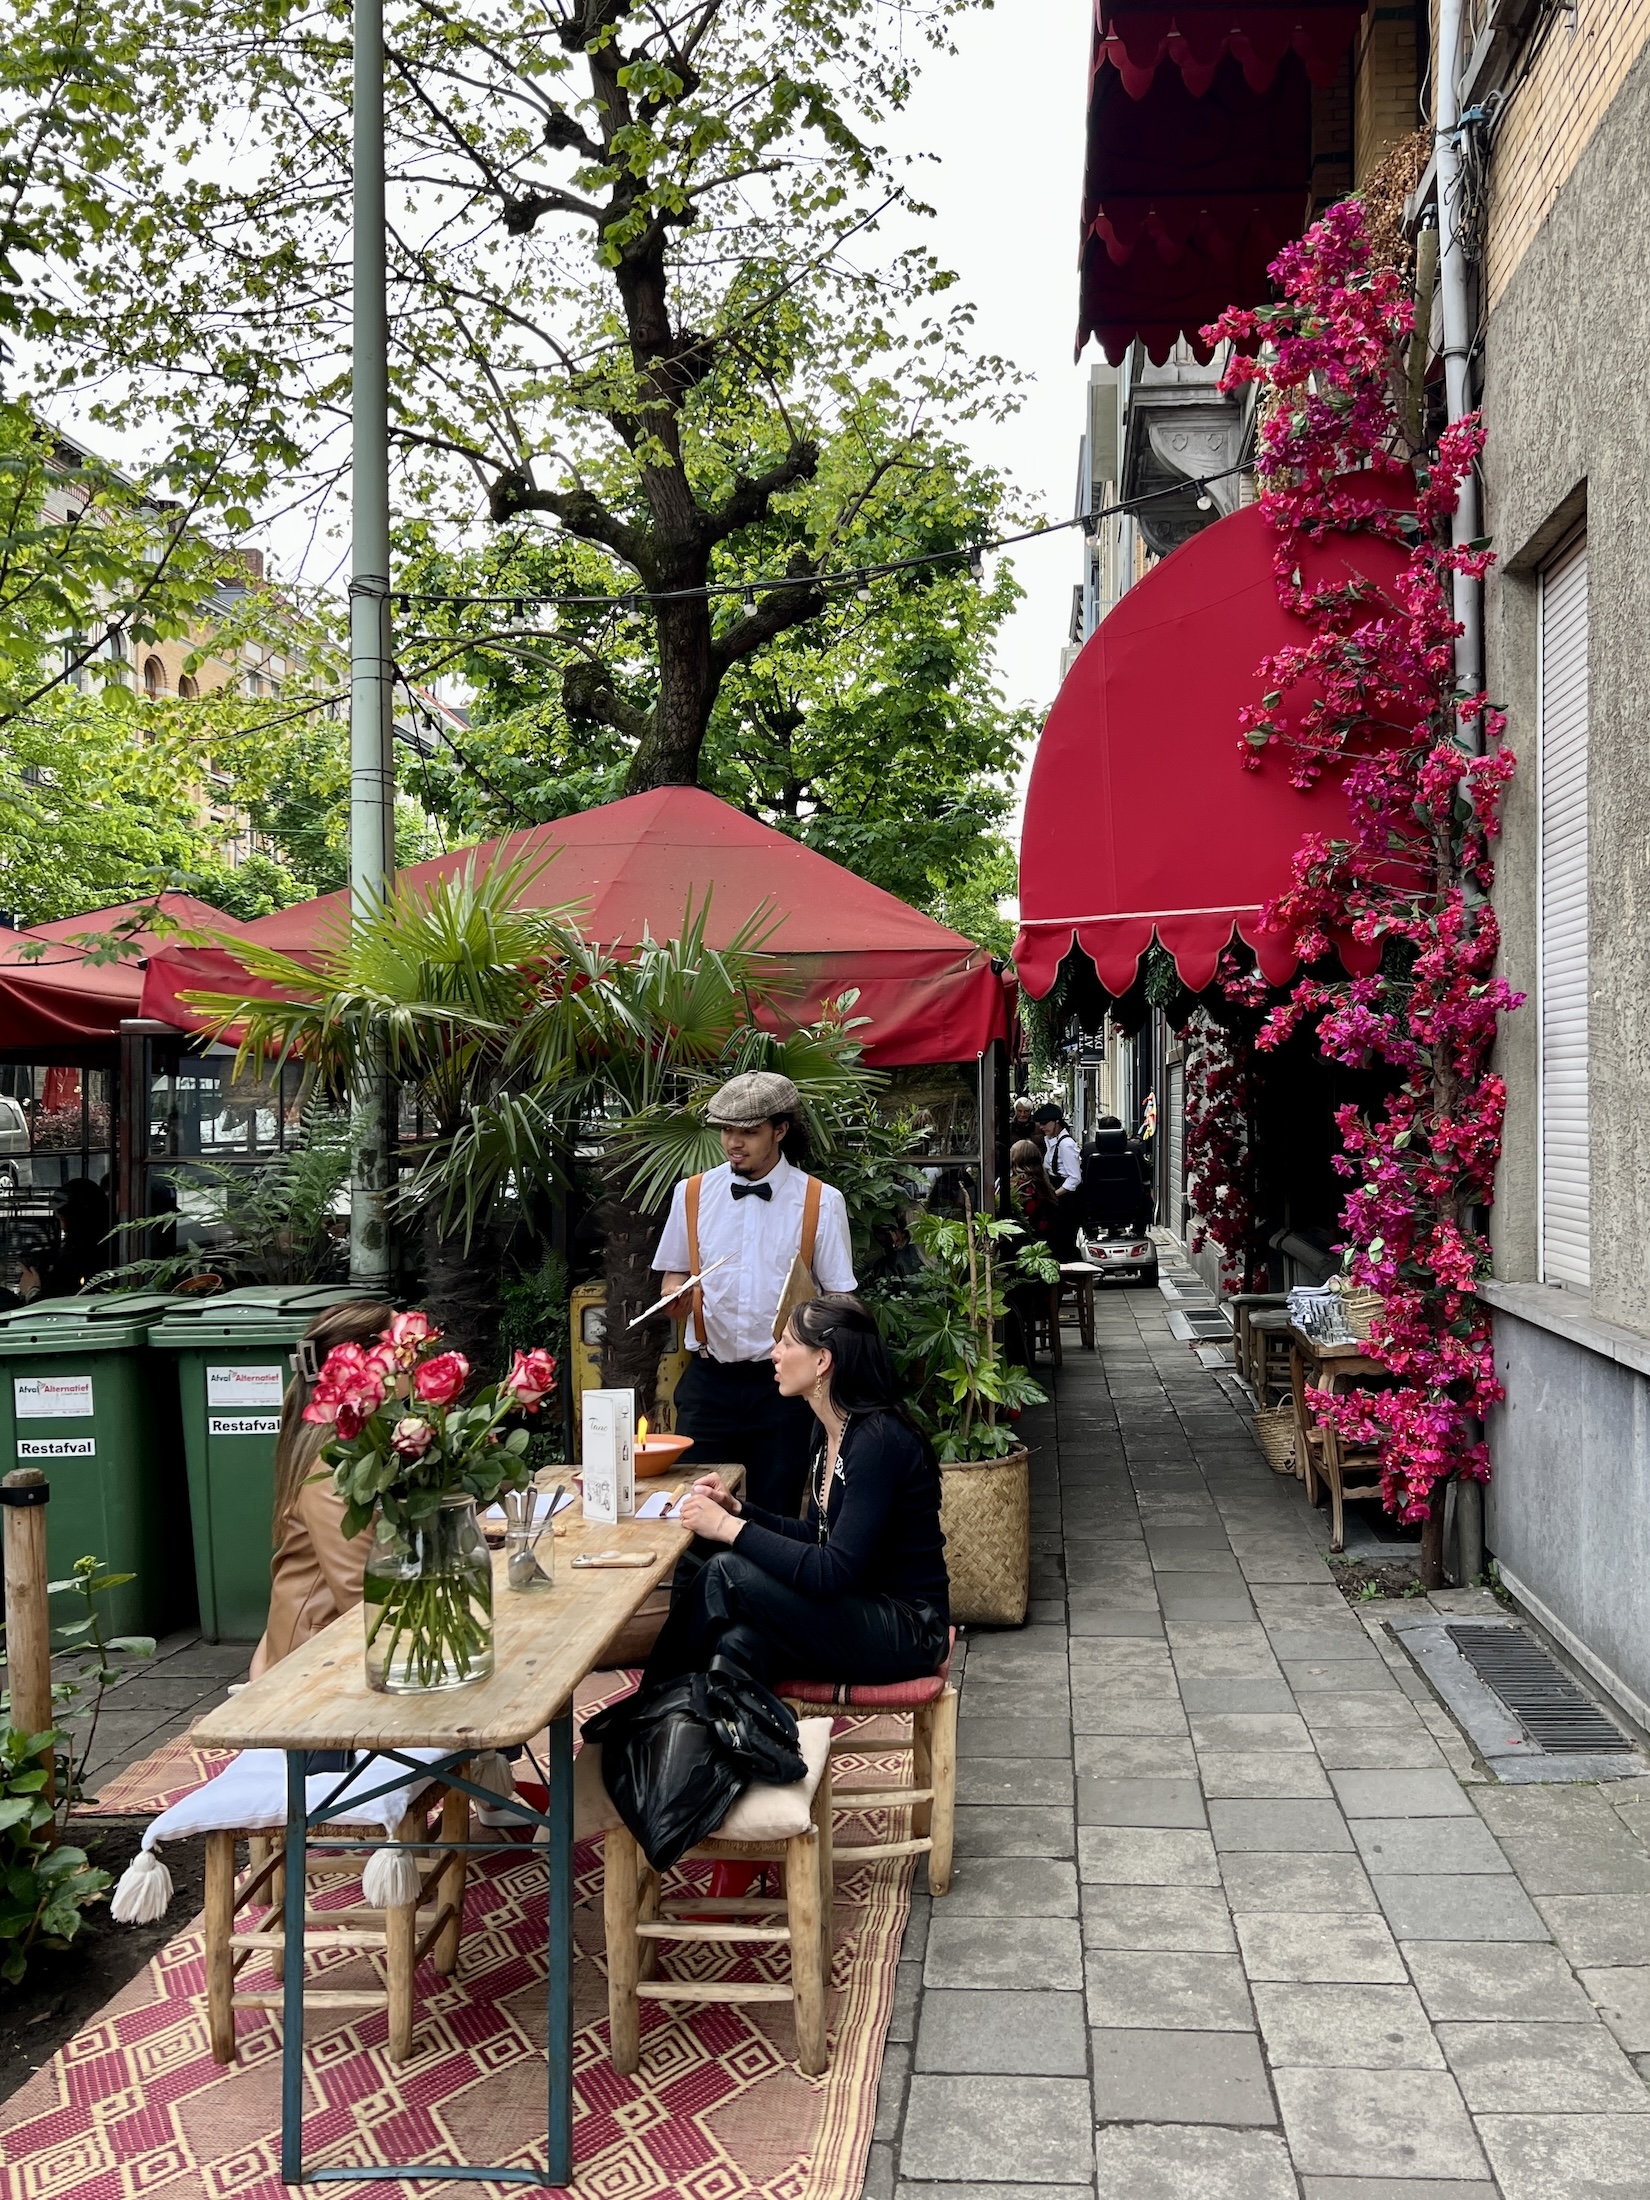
<point x="411" y="1460"/>
<point x="943" y="1326"/>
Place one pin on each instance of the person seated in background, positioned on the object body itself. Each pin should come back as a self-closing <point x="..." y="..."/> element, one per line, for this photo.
<point x="1030" y="1192"/>
<point x="317" y="1570"/>
<point x="854" y="1591"/>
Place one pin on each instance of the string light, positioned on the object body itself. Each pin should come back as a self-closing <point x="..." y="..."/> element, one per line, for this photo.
<point x="858" y="578"/>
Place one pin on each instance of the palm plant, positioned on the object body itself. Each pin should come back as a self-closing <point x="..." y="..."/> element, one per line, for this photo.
<point x="438" y="986"/>
<point x="520" y="1038"/>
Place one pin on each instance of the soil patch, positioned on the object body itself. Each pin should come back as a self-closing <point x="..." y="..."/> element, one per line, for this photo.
<point x="60" y="1991"/>
<point x="1364" y="1581"/>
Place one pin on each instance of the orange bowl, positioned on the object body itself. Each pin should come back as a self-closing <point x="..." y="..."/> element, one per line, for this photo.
<point x="658" y="1454"/>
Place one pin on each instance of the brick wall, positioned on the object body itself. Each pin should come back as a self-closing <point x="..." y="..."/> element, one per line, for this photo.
<point x="1579" y="67"/>
<point x="1384" y="90"/>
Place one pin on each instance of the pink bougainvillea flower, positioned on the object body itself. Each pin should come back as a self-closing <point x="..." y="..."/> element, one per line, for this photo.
<point x="438" y="1382"/>
<point x="531" y="1379"/>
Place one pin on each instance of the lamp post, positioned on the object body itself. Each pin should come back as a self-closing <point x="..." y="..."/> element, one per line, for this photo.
<point x="371" y="686"/>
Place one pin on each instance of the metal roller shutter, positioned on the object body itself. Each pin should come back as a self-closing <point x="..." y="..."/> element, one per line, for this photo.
<point x="1563" y="983"/>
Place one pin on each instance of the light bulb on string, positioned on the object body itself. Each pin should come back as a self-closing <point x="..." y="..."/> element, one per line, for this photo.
<point x="863" y="591"/>
<point x="976" y="563"/>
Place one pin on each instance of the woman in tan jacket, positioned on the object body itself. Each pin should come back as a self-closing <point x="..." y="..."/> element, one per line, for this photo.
<point x="317" y="1569"/>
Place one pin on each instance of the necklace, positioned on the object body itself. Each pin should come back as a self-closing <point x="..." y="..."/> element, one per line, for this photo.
<point x="822" y="1488"/>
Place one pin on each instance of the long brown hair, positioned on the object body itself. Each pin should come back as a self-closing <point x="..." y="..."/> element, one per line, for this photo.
<point x="298" y="1446"/>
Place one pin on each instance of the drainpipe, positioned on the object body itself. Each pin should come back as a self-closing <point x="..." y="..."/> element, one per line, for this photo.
<point x="1467" y="595"/>
<point x="372" y="761"/>
<point x="1458" y="333"/>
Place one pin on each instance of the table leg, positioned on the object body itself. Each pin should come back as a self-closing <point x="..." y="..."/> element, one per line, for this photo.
<point x="559" y="2027"/>
<point x="292" y="1983"/>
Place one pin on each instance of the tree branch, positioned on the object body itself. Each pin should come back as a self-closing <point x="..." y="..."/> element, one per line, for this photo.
<point x="774" y="615"/>
<point x="580" y="512"/>
<point x="751" y="495"/>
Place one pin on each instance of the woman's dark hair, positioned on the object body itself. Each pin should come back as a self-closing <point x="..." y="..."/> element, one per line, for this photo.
<point x="862" y="1374"/>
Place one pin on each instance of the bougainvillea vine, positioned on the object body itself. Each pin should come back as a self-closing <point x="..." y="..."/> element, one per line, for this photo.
<point x="1373" y="692"/>
<point x="1219" y="1162"/>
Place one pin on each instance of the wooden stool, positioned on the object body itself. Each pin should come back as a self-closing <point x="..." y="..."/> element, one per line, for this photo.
<point x="788" y="1825"/>
<point x="1270" y="1337"/>
<point x="930" y="1795"/>
<point x="401" y="1935"/>
<point x="1077" y="1282"/>
<point x="1244" y="1306"/>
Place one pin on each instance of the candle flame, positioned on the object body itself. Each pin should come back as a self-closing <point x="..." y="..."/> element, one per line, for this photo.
<point x="641" y="1430"/>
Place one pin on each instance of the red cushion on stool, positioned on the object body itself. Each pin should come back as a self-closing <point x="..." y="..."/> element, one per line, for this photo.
<point x="877" y="1696"/>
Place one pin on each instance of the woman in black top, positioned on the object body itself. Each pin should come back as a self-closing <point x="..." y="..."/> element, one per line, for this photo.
<point x="856" y="1589"/>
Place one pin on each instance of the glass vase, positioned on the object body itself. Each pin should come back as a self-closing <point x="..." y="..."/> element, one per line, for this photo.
<point x="427" y="1600"/>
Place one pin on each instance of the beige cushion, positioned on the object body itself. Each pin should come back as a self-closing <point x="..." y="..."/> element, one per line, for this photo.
<point x="763" y="1813"/>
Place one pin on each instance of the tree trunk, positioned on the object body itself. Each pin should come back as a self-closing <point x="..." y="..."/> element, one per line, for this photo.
<point x="461" y="1293"/>
<point x="1432" y="1540"/>
<point x="668" y="754"/>
<point x="630" y="1357"/>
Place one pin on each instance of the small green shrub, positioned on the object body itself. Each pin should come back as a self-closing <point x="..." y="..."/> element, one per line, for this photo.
<point x="46" y="1882"/>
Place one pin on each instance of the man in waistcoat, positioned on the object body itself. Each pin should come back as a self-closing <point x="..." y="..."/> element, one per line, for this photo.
<point x="764" y="1213"/>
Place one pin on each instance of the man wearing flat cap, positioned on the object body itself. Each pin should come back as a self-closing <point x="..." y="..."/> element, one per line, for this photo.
<point x="759" y="1217"/>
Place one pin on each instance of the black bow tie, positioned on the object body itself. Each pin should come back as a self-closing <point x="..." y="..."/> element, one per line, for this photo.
<point x="752" y="1191"/>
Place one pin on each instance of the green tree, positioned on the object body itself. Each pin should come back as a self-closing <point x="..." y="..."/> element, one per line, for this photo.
<point x="873" y="733"/>
<point x="638" y="293"/>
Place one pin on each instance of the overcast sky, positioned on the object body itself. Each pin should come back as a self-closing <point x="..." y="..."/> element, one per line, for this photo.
<point x="1006" y="120"/>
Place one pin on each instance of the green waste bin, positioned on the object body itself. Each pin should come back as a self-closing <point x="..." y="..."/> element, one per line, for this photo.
<point x="80" y="1399"/>
<point x="234" y="1356"/>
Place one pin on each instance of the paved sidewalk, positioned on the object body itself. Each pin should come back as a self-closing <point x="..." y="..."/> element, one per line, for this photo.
<point x="1236" y="1916"/>
<point x="164" y="1697"/>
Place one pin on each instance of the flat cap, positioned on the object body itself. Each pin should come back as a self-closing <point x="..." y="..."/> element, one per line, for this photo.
<point x="753" y="1098"/>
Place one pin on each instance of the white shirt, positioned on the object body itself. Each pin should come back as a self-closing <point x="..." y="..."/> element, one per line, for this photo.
<point x="1063" y="1162"/>
<point x="764" y="1236"/>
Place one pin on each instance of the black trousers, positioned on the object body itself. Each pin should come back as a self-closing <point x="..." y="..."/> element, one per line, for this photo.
<point x="1062" y="1236"/>
<point x="726" y="1605"/>
<point x="735" y="1415"/>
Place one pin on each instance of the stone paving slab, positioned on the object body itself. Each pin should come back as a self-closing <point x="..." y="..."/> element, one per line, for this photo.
<point x="1237" y="1912"/>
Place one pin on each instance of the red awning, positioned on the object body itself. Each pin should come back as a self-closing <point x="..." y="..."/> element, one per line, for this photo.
<point x="1140" y="817"/>
<point x="67" y="1003"/>
<point x="930" y="994"/>
<point x="1199" y="168"/>
<point x="61" y="999"/>
<point x="1136" y="36"/>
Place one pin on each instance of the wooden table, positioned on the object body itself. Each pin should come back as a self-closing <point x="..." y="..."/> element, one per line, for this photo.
<point x="545" y="1642"/>
<point x="1318" y="1369"/>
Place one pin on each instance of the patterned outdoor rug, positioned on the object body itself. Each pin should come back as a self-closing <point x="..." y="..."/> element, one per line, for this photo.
<point x="135" y="2105"/>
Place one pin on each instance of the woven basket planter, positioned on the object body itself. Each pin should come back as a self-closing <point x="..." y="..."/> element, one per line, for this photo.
<point x="985" y="1510"/>
<point x="1275" y="1433"/>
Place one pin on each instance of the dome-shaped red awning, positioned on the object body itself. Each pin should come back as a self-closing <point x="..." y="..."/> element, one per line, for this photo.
<point x="1140" y="817"/>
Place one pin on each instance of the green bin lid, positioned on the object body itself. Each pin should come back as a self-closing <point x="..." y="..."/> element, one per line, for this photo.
<point x="109" y="1322"/>
<point x="258" y="1314"/>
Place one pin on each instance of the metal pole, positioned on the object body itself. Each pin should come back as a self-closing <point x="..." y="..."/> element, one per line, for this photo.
<point x="372" y="760"/>
<point x="1468" y="595"/>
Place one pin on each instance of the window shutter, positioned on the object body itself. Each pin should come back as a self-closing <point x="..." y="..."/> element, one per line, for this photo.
<point x="1174" y="1189"/>
<point x="1563" y="985"/>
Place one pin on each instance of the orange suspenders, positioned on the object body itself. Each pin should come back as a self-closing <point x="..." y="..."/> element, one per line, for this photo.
<point x="690" y="1206"/>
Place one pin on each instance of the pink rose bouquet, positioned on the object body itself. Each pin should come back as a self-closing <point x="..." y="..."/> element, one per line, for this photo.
<point x="404" y="1438"/>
